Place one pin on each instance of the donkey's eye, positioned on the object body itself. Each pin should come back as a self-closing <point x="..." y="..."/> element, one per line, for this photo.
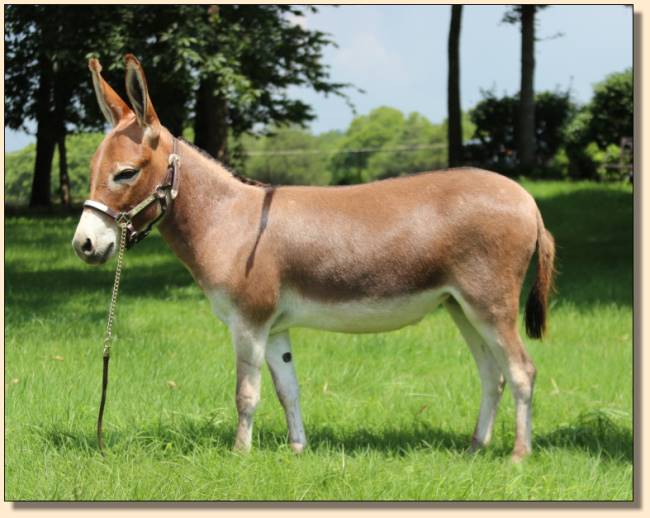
<point x="125" y="174"/>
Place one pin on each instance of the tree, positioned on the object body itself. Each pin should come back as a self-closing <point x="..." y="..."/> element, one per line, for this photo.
<point x="527" y="90"/>
<point x="525" y="15"/>
<point x="454" y="127"/>
<point x="416" y="147"/>
<point x="45" y="54"/>
<point x="247" y="58"/>
<point x="496" y="122"/>
<point x="384" y="144"/>
<point x="612" y="109"/>
<point x="366" y="135"/>
<point x="290" y="156"/>
<point x="230" y="65"/>
<point x="594" y="136"/>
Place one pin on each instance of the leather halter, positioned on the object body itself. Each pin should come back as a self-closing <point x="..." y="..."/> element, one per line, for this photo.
<point x="163" y="194"/>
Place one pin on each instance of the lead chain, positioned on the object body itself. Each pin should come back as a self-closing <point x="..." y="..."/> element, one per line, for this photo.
<point x="116" y="286"/>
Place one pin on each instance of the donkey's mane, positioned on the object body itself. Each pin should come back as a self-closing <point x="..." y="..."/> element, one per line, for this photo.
<point x="241" y="178"/>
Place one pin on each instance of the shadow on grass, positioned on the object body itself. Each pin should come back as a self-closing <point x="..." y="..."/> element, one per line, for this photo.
<point x="594" y="234"/>
<point x="44" y="291"/>
<point x="593" y="433"/>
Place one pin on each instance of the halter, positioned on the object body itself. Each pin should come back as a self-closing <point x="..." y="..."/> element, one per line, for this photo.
<point x="163" y="194"/>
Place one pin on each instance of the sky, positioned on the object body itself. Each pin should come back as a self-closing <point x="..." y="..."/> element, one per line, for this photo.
<point x="397" y="54"/>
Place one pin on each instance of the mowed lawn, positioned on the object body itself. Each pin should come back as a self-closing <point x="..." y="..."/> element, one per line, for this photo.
<point x="388" y="416"/>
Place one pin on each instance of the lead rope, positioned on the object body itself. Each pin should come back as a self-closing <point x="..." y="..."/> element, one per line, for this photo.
<point x="122" y="222"/>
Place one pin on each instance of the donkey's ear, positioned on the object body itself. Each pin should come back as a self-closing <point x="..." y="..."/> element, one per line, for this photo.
<point x="136" y="89"/>
<point x="111" y="104"/>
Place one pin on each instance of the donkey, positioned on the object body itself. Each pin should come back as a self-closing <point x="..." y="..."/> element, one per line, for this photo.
<point x="364" y="258"/>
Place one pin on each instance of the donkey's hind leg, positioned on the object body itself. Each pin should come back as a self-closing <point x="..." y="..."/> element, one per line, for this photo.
<point x="497" y="325"/>
<point x="492" y="380"/>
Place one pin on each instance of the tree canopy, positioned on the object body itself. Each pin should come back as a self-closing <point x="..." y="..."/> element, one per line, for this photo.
<point x="218" y="68"/>
<point x="496" y="127"/>
<point x="595" y="135"/>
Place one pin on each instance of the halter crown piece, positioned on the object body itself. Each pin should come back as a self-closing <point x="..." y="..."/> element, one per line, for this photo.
<point x="163" y="194"/>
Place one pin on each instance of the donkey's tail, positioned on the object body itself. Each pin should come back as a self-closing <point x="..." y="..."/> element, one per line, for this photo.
<point x="536" y="305"/>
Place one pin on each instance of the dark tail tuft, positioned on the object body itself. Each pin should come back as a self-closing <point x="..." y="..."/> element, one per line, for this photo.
<point x="536" y="305"/>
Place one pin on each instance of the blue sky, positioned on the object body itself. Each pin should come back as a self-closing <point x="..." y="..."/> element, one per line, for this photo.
<point x="398" y="55"/>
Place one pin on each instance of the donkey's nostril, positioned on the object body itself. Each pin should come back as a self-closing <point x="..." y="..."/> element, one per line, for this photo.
<point x="87" y="246"/>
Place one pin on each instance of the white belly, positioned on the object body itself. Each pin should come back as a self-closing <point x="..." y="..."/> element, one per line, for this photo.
<point x="356" y="316"/>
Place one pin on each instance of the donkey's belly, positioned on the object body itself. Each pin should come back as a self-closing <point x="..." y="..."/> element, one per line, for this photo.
<point x="356" y="316"/>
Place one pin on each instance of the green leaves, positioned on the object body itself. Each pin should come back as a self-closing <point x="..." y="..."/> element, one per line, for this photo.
<point x="252" y="52"/>
<point x="598" y="126"/>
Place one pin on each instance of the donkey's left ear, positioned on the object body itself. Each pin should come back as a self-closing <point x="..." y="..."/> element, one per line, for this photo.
<point x="136" y="89"/>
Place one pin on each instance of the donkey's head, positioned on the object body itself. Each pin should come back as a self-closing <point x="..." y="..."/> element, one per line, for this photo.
<point x="127" y="166"/>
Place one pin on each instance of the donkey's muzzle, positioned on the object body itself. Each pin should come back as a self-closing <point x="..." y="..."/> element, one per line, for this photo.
<point x="89" y="253"/>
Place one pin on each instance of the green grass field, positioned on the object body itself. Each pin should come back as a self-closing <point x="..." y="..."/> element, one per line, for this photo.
<point x="388" y="416"/>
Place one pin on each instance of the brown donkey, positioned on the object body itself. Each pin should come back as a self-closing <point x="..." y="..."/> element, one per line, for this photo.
<point x="363" y="258"/>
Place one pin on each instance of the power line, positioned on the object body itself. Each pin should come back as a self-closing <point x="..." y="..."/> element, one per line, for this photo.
<point x="341" y="151"/>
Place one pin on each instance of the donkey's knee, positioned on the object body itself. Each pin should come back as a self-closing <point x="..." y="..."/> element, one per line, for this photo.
<point x="249" y="350"/>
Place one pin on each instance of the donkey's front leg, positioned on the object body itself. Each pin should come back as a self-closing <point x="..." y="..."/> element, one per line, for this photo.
<point x="249" y="344"/>
<point x="278" y="357"/>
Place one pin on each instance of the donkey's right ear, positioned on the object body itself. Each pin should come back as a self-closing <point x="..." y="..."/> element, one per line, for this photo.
<point x="111" y="104"/>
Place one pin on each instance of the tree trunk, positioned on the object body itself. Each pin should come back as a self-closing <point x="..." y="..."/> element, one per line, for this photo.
<point x="64" y="180"/>
<point x="454" y="122"/>
<point x="62" y="96"/>
<point x="526" y="96"/>
<point x="210" y="122"/>
<point x="45" y="138"/>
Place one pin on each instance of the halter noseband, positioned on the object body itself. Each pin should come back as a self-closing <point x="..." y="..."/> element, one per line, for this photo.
<point x="163" y="194"/>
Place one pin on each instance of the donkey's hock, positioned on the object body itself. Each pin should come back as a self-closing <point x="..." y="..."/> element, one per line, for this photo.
<point x="364" y="258"/>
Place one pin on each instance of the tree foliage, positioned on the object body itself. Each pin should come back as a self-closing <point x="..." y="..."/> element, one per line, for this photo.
<point x="365" y="136"/>
<point x="612" y="109"/>
<point x="384" y="143"/>
<point x="496" y="127"/>
<point x="594" y="136"/>
<point x="418" y="146"/>
<point x="289" y="156"/>
<point x="232" y="63"/>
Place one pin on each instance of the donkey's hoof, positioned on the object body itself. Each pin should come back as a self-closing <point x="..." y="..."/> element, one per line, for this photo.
<point x="475" y="447"/>
<point x="297" y="447"/>
<point x="241" y="447"/>
<point x="520" y="454"/>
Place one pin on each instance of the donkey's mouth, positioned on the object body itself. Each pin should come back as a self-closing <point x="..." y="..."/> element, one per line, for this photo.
<point x="101" y="258"/>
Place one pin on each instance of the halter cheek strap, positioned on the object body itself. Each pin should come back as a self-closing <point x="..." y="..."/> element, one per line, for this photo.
<point x="163" y="194"/>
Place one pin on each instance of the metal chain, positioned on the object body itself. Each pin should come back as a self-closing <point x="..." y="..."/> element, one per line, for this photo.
<point x="122" y="222"/>
<point x="116" y="286"/>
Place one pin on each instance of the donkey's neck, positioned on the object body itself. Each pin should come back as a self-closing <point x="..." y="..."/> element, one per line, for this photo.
<point x="207" y="194"/>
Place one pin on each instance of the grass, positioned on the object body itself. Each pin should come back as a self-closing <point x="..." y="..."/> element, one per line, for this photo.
<point x="388" y="416"/>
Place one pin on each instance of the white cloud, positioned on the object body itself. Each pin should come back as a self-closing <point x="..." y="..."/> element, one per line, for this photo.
<point x="366" y="58"/>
